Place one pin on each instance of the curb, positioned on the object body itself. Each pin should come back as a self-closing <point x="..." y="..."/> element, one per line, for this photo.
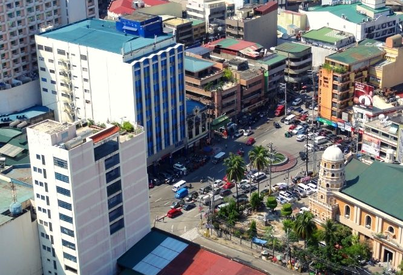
<point x="290" y="164"/>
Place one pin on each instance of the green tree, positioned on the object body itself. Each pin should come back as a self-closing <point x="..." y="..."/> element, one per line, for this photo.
<point x="252" y="232"/>
<point x="353" y="251"/>
<point x="286" y="210"/>
<point x="235" y="170"/>
<point x="328" y="234"/>
<point x="400" y="272"/>
<point x="228" y="75"/>
<point x="271" y="202"/>
<point x="259" y="159"/>
<point x="128" y="126"/>
<point x="304" y="226"/>
<point x="255" y="201"/>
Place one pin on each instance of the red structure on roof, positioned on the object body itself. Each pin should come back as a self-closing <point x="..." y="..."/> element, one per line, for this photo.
<point x="151" y="3"/>
<point x="122" y="7"/>
<point x="267" y="8"/>
<point x="104" y="134"/>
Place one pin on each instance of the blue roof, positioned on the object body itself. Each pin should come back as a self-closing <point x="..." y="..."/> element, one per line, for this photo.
<point x="198" y="50"/>
<point x="100" y="34"/>
<point x="195" y="65"/>
<point x="192" y="104"/>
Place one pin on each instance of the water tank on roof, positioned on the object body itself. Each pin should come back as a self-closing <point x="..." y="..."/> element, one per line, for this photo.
<point x="390" y="156"/>
<point x="22" y="124"/>
<point x="15" y="123"/>
<point x="73" y="143"/>
<point x="15" y="208"/>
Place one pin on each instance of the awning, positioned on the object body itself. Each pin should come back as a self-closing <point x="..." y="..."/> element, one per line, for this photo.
<point x="219" y="122"/>
<point x="10" y="150"/>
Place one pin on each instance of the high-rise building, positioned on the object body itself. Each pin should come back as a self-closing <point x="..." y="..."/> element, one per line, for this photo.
<point x="91" y="186"/>
<point x="116" y="71"/>
<point x="19" y="22"/>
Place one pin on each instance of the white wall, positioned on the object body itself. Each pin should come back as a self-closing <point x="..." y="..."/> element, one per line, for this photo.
<point x="20" y="97"/>
<point x="19" y="243"/>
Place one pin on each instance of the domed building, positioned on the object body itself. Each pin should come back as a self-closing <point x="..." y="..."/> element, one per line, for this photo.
<point x="366" y="198"/>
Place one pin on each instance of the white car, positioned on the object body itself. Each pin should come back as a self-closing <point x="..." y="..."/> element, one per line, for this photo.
<point x="242" y="182"/>
<point x="296" y="129"/>
<point x="247" y="133"/>
<point x="239" y="133"/>
<point x="218" y="183"/>
<point x="301" y="137"/>
<point x="180" y="167"/>
<point x="296" y="101"/>
<point x="258" y="176"/>
<point x="311" y="136"/>
<point x="309" y="146"/>
<point x="287" y="196"/>
<point x="313" y="187"/>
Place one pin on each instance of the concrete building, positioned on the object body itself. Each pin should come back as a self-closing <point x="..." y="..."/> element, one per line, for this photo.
<point x="199" y="30"/>
<point x="20" y="253"/>
<point x="364" y="19"/>
<point x="92" y="188"/>
<point x="290" y="19"/>
<point x="364" y="198"/>
<point x="249" y="23"/>
<point x="19" y="22"/>
<point x="338" y="75"/>
<point x="299" y="62"/>
<point x="229" y="47"/>
<point x="197" y="119"/>
<point x="117" y="71"/>
<point x="273" y="65"/>
<point x="206" y="10"/>
<point x="182" y="28"/>
<point x="251" y="83"/>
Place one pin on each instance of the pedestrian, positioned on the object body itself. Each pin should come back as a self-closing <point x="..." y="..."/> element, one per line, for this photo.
<point x="226" y="146"/>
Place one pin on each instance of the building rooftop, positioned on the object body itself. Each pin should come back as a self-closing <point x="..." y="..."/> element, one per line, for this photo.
<point x="249" y="74"/>
<point x="191" y="105"/>
<point x="162" y="253"/>
<point x="102" y="35"/>
<point x="327" y="35"/>
<point x="23" y="192"/>
<point x="194" y="65"/>
<point x="14" y="146"/>
<point x="378" y="185"/>
<point x="197" y="22"/>
<point x="176" y="21"/>
<point x="266" y="8"/>
<point x="272" y="59"/>
<point x="121" y="7"/>
<point x="289" y="47"/>
<point x="139" y="16"/>
<point x="235" y="44"/>
<point x="348" y="10"/>
<point x="50" y="127"/>
<point x="363" y="51"/>
<point x="199" y="50"/>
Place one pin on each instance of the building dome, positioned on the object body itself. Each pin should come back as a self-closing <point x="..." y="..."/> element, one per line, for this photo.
<point x="333" y="153"/>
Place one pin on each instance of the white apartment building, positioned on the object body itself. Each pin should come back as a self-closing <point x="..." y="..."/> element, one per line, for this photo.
<point x="20" y="20"/>
<point x="206" y="10"/>
<point x="365" y="19"/>
<point x="91" y="195"/>
<point x="100" y="70"/>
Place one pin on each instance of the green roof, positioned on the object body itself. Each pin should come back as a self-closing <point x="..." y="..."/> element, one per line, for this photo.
<point x="364" y="51"/>
<point x="325" y="34"/>
<point x="7" y="134"/>
<point x="195" y="65"/>
<point x="378" y="185"/>
<point x="350" y="11"/>
<point x="196" y="22"/>
<point x="289" y="47"/>
<point x="273" y="60"/>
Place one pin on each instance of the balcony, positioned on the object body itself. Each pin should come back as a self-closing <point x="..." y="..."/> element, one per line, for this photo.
<point x="298" y="63"/>
<point x="197" y="90"/>
<point x="387" y="238"/>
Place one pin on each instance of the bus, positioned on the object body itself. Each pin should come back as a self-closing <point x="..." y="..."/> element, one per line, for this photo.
<point x="289" y="119"/>
<point x="180" y="184"/>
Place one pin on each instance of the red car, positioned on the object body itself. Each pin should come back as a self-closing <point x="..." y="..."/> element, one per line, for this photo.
<point x="292" y="127"/>
<point x="228" y="185"/>
<point x="174" y="212"/>
<point x="241" y="152"/>
<point x="303" y="117"/>
<point x="250" y="141"/>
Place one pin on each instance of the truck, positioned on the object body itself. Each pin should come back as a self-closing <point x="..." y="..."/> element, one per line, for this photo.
<point x="279" y="111"/>
<point x="181" y="193"/>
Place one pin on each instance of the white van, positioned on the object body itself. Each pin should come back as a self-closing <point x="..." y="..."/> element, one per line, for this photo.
<point x="305" y="189"/>
<point x="320" y="140"/>
<point x="180" y="184"/>
<point x="289" y="119"/>
<point x="217" y="158"/>
<point x="222" y="205"/>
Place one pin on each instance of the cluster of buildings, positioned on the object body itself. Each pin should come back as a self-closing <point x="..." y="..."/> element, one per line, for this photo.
<point x="177" y="72"/>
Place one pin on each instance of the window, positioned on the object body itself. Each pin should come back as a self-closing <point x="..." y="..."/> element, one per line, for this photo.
<point x="70" y="269"/>
<point x="118" y="212"/>
<point x="45" y="90"/>
<point x="69" y="257"/>
<point x="368" y="221"/>
<point x="61" y="52"/>
<point x="60" y="163"/>
<point x="68" y="244"/>
<point x="112" y="202"/>
<point x="66" y="231"/>
<point x="391" y="230"/>
<point x="347" y="211"/>
<point x="83" y="57"/>
<point x="63" y="191"/>
<point x="64" y="204"/>
<point x="65" y="218"/>
<point x="42" y="69"/>
<point x="62" y="177"/>
<point x="117" y="226"/>
<point x="44" y="79"/>
<point x="38" y="156"/>
<point x="112" y="175"/>
<point x="114" y="188"/>
<point x="112" y="161"/>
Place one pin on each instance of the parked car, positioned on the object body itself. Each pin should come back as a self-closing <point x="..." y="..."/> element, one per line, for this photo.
<point x="205" y="190"/>
<point x="225" y="192"/>
<point x="235" y="196"/>
<point x="292" y="127"/>
<point x="297" y="101"/>
<point x="287" y="196"/>
<point x="189" y="206"/>
<point x="258" y="176"/>
<point x="218" y="183"/>
<point x="301" y="137"/>
<point x="312" y="186"/>
<point x="303" y="155"/>
<point x="181" y="168"/>
<point x="247" y="188"/>
<point x="243" y="182"/>
<point x="296" y="129"/>
<point x="276" y="125"/>
<point x="177" y="204"/>
<point x="174" y="212"/>
<point x="250" y="141"/>
<point x="281" y="200"/>
<point x="228" y="185"/>
<point x="309" y="146"/>
<point x="239" y="133"/>
<point x="192" y="196"/>
<point x="248" y="133"/>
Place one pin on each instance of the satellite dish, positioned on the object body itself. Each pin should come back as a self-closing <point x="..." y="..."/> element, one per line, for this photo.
<point x="381" y="116"/>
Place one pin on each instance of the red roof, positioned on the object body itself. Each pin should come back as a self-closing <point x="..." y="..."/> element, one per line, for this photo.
<point x="154" y="2"/>
<point x="268" y="7"/>
<point x="104" y="134"/>
<point x="122" y="7"/>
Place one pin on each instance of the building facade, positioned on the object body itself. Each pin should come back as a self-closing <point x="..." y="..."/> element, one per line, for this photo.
<point x="115" y="71"/>
<point x="251" y="83"/>
<point x="19" y="22"/>
<point x="206" y="10"/>
<point x="273" y="66"/>
<point x="183" y="29"/>
<point x="91" y="192"/>
<point x="249" y="23"/>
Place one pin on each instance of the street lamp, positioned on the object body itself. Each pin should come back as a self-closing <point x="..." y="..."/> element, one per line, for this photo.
<point x="284" y="87"/>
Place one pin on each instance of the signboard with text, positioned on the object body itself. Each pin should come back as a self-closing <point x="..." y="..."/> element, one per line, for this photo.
<point x="371" y="145"/>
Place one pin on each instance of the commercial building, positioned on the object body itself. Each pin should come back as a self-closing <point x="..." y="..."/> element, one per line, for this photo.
<point x="206" y="10"/>
<point x="338" y="76"/>
<point x="288" y="21"/>
<point x="249" y="23"/>
<point x="273" y="65"/>
<point x="364" y="19"/>
<point x="251" y="83"/>
<point x="229" y="47"/>
<point x="299" y="62"/>
<point x="20" y="253"/>
<point x="117" y="71"/>
<point x="197" y="119"/>
<point x="91" y="193"/>
<point x="199" y="30"/>
<point x="19" y="22"/>
<point x="183" y="29"/>
<point x="364" y="198"/>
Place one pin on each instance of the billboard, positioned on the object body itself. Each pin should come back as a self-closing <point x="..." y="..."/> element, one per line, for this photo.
<point x="363" y="94"/>
<point x="371" y="145"/>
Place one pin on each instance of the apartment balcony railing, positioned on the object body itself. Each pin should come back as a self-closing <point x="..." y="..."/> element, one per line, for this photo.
<point x="297" y="63"/>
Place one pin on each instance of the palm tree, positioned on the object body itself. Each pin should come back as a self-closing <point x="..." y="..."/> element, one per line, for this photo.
<point x="259" y="159"/>
<point x="304" y="226"/>
<point x="329" y="235"/>
<point x="235" y="171"/>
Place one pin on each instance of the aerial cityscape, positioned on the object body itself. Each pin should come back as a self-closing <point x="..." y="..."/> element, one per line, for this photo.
<point x="201" y="137"/>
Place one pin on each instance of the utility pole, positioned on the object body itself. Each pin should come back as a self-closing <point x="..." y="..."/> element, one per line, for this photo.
<point x="210" y="223"/>
<point x="312" y="73"/>
<point x="307" y="155"/>
<point x="270" y="162"/>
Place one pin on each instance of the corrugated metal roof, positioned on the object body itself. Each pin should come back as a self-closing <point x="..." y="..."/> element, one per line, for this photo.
<point x="236" y="45"/>
<point x="379" y="185"/>
<point x="194" y="65"/>
<point x="327" y="35"/>
<point x="292" y="47"/>
<point x="364" y="51"/>
<point x="199" y="50"/>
